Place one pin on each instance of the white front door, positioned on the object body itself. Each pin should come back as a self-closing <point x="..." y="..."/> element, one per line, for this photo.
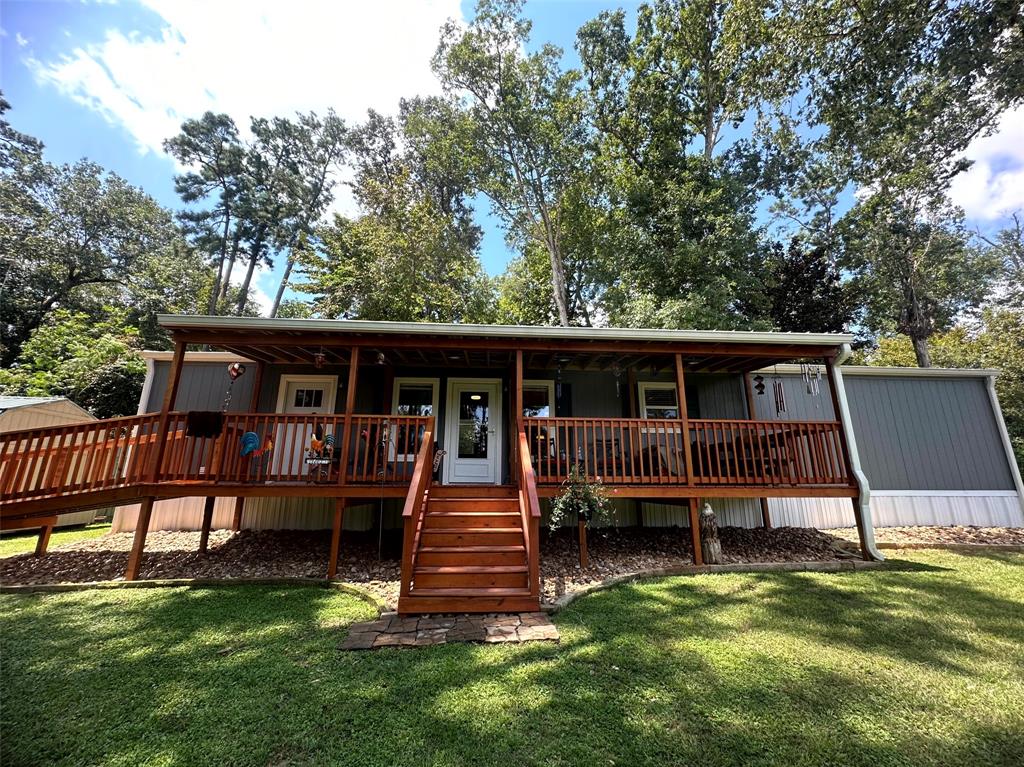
<point x="472" y="433"/>
<point x="313" y="394"/>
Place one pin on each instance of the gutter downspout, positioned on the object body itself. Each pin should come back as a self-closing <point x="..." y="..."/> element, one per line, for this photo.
<point x="147" y="387"/>
<point x="997" y="411"/>
<point x="851" y="442"/>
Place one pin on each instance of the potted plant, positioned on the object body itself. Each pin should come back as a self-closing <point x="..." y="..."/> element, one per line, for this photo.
<point x="586" y="500"/>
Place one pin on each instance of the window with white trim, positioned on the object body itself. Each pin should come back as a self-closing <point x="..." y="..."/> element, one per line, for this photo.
<point x="538" y="399"/>
<point x="412" y="397"/>
<point x="658" y="399"/>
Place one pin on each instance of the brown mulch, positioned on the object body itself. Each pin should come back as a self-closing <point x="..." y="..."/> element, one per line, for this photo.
<point x="615" y="552"/>
<point x="934" y="534"/>
<point x="303" y="554"/>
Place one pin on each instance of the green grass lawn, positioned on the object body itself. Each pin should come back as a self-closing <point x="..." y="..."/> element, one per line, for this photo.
<point x="918" y="664"/>
<point x="24" y="542"/>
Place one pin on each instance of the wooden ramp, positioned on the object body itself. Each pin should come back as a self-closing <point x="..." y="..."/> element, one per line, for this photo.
<point x="471" y="554"/>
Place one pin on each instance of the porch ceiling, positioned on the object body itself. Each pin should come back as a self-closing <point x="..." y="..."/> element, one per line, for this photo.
<point x="721" y="353"/>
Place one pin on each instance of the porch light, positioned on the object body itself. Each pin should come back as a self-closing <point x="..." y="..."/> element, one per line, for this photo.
<point x="474" y="397"/>
<point x="381" y="359"/>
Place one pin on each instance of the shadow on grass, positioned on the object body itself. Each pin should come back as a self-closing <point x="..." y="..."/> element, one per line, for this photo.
<point x="873" y="667"/>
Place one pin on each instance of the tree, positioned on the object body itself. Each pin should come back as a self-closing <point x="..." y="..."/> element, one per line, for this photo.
<point x="94" y="363"/>
<point x="402" y="260"/>
<point x="1008" y="247"/>
<point x="997" y="341"/>
<point x="73" y="229"/>
<point x="806" y="292"/>
<point x="519" y="129"/>
<point x="916" y="266"/>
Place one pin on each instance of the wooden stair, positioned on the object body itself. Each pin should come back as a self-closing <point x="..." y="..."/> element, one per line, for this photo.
<point x="470" y="554"/>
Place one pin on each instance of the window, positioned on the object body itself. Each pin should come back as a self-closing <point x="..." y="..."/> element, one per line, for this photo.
<point x="658" y="400"/>
<point x="308" y="398"/>
<point x="538" y="399"/>
<point x="412" y="397"/>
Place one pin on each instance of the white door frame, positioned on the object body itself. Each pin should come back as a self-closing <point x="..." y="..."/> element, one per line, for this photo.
<point x="289" y="378"/>
<point x="451" y="426"/>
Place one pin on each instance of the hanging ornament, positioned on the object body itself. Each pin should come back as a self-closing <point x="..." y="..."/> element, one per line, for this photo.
<point x="779" y="392"/>
<point x="235" y="369"/>
<point x="759" y="384"/>
<point x="617" y="372"/>
<point x="558" y="381"/>
<point x="319" y="358"/>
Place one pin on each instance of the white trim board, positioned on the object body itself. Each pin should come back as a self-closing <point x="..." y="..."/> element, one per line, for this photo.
<point x="947" y="493"/>
<point x="287" y="378"/>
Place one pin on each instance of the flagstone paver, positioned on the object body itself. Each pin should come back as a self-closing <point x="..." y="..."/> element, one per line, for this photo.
<point x="392" y="630"/>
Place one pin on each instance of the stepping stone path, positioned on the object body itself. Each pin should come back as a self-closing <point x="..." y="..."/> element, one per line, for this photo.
<point x="393" y="630"/>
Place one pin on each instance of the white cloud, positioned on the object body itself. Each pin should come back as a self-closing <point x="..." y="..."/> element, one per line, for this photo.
<point x="21" y="41"/>
<point x="994" y="185"/>
<point x="250" y="57"/>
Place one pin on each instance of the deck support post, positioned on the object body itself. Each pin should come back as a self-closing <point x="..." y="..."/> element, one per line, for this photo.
<point x="698" y="554"/>
<point x="766" y="518"/>
<point x="44" y="539"/>
<point x="141" y="530"/>
<point x="236" y="521"/>
<point x="350" y="406"/>
<point x="517" y="407"/>
<point x="584" y="556"/>
<point x="684" y="417"/>
<point x="339" y="519"/>
<point x="748" y="386"/>
<point x="204" y="535"/>
<point x="170" y="396"/>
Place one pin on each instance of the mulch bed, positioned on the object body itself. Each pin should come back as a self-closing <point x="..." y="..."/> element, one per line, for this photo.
<point x="303" y="554"/>
<point x="933" y="534"/>
<point x="622" y="551"/>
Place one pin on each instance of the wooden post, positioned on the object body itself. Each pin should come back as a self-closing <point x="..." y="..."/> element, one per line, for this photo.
<point x="170" y="396"/>
<point x="204" y="535"/>
<point x="517" y="411"/>
<point x="350" y="405"/>
<point x="838" y="415"/>
<point x="584" y="557"/>
<point x="684" y="417"/>
<point x="236" y="522"/>
<point x="254" y="407"/>
<point x="748" y="385"/>
<point x="141" y="530"/>
<point x="339" y="518"/>
<point x="44" y="539"/>
<point x="698" y="555"/>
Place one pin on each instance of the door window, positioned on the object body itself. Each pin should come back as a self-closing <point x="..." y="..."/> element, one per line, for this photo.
<point x="473" y="424"/>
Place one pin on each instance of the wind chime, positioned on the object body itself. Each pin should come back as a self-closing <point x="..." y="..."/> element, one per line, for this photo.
<point x="617" y="372"/>
<point x="779" y="393"/>
<point x="812" y="378"/>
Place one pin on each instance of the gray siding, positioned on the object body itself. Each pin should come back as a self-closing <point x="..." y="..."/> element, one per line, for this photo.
<point x="927" y="433"/>
<point x="202" y="387"/>
<point x="800" y="406"/>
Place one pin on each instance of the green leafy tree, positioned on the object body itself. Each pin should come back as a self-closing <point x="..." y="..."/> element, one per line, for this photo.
<point x="997" y="341"/>
<point x="519" y="127"/>
<point x="1008" y="247"/>
<point x="806" y="291"/>
<point x="73" y="230"/>
<point x="94" y="363"/>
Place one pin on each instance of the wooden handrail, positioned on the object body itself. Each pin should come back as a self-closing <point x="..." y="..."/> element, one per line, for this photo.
<point x="415" y="500"/>
<point x="529" y="510"/>
<point x="714" y="452"/>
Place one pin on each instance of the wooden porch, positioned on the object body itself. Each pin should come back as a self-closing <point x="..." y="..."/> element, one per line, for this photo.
<point x="465" y="548"/>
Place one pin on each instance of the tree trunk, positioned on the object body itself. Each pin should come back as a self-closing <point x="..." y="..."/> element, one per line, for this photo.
<point x="558" y="282"/>
<point x="281" y="288"/>
<point x="243" y="290"/>
<point x="924" y="357"/>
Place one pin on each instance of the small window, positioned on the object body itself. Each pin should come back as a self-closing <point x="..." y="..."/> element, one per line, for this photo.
<point x="658" y="400"/>
<point x="538" y="399"/>
<point x="412" y="397"/>
<point x="308" y="398"/>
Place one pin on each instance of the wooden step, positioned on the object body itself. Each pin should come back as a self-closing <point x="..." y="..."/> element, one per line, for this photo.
<point x="456" y="600"/>
<point x="472" y="519"/>
<point x="471" y="536"/>
<point x="470" y="577"/>
<point x="440" y="556"/>
<point x="474" y="491"/>
<point x="473" y="504"/>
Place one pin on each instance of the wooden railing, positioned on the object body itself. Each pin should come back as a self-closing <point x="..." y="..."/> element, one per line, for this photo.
<point x="529" y="510"/>
<point x="294" y="448"/>
<point x="645" y="451"/>
<point x="120" y="452"/>
<point x="415" y="503"/>
<point x="95" y="455"/>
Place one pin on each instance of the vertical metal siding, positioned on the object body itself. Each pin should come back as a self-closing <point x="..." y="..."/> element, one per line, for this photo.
<point x="202" y="387"/>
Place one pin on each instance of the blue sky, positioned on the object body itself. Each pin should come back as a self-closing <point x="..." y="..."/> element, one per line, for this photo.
<point x="110" y="80"/>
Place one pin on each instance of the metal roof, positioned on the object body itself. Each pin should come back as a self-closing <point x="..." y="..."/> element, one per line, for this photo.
<point x="183" y="322"/>
<point x="11" y="403"/>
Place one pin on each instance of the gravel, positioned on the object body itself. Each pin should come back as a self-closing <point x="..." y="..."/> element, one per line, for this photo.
<point x="935" y="534"/>
<point x="303" y="554"/>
